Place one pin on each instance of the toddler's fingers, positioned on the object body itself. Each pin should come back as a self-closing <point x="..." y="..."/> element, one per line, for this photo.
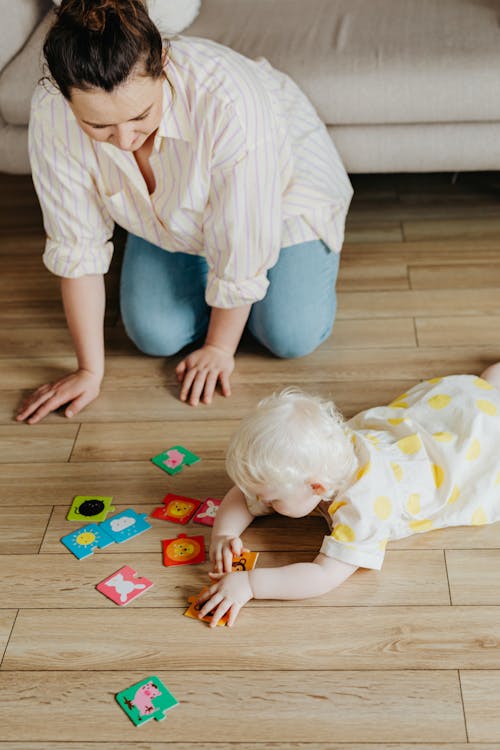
<point x="228" y="559"/>
<point x="210" y="605"/>
<point x="233" y="614"/>
<point x="236" y="546"/>
<point x="220" y="612"/>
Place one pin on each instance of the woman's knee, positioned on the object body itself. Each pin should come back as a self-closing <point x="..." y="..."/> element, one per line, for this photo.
<point x="291" y="345"/>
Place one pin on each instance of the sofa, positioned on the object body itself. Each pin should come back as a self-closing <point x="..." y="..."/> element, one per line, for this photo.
<point x="402" y="85"/>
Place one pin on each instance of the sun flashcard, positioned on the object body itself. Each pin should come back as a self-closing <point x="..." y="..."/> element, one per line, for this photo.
<point x="183" y="550"/>
<point x="84" y="541"/>
<point x="123" y="586"/>
<point x="245" y="561"/>
<point x="125" y="525"/>
<point x="146" y="700"/>
<point x="176" y="508"/>
<point x="90" y="508"/>
<point x="194" y="610"/>
<point x="206" y="514"/>
<point x="174" y="459"/>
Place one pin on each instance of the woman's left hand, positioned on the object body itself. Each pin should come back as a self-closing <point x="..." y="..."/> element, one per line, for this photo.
<point x="229" y="594"/>
<point x="200" y="371"/>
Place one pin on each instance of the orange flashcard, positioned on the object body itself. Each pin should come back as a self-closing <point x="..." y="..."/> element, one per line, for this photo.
<point x="183" y="550"/>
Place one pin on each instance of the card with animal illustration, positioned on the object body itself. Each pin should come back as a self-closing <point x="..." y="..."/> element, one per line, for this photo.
<point x="174" y="459"/>
<point x="207" y="512"/>
<point x="176" y="508"/>
<point x="90" y="508"/>
<point x="183" y="550"/>
<point x="146" y="700"/>
<point x="123" y="586"/>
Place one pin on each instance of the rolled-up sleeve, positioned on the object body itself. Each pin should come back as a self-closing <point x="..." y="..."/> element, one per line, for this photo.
<point x="244" y="215"/>
<point x="77" y="225"/>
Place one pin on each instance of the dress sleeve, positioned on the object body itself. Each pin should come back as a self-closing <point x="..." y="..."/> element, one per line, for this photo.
<point x="243" y="218"/>
<point x="77" y="225"/>
<point x="358" y="537"/>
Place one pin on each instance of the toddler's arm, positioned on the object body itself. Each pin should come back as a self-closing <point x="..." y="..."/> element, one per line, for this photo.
<point x="231" y="520"/>
<point x="231" y="591"/>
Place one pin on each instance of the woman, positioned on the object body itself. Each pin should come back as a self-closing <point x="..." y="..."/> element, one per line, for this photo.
<point x="220" y="170"/>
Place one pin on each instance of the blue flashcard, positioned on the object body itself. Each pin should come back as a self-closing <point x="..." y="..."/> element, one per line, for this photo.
<point x="125" y="525"/>
<point x="84" y="541"/>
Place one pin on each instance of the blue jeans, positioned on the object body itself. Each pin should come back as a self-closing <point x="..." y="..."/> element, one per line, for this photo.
<point x="162" y="299"/>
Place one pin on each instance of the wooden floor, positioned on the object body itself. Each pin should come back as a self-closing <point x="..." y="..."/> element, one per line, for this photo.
<point x="409" y="656"/>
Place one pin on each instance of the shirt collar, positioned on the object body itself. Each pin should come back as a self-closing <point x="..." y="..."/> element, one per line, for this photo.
<point x="176" y="117"/>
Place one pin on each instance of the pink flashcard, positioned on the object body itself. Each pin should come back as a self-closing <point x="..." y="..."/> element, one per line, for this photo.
<point x="207" y="512"/>
<point x="123" y="586"/>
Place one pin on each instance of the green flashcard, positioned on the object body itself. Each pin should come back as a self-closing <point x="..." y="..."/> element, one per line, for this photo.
<point x="90" y="508"/>
<point x="173" y="459"/>
<point x="147" y="699"/>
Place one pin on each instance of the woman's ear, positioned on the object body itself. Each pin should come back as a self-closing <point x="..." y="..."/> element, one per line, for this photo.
<point x="318" y="488"/>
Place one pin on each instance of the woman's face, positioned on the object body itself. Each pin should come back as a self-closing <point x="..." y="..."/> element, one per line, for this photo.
<point x="124" y="117"/>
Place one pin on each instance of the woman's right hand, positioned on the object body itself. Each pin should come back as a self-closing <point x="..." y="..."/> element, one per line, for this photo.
<point x="77" y="390"/>
<point x="222" y="549"/>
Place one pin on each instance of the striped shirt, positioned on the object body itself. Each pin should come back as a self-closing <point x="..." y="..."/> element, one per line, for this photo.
<point x="243" y="166"/>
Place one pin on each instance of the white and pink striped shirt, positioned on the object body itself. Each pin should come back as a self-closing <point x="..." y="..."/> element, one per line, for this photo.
<point x="242" y="163"/>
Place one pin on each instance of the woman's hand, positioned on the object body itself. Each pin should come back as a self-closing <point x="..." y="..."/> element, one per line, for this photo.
<point x="222" y="549"/>
<point x="77" y="390"/>
<point x="200" y="371"/>
<point x="229" y="594"/>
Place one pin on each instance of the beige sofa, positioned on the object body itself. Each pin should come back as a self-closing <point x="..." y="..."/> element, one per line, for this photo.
<point x="403" y="85"/>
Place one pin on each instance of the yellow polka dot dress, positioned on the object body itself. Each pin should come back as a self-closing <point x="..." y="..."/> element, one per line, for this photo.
<point x="428" y="460"/>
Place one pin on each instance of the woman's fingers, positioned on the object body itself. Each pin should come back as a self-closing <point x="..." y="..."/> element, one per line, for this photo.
<point x="224" y="383"/>
<point x="210" y="383"/>
<point x="187" y="382"/>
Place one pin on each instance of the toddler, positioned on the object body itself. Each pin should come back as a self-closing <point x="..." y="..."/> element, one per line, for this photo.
<point x="428" y="460"/>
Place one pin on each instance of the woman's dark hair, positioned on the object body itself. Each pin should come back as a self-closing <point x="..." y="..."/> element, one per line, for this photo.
<point x="97" y="44"/>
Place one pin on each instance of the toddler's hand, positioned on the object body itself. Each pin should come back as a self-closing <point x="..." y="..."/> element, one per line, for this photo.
<point x="222" y="549"/>
<point x="229" y="594"/>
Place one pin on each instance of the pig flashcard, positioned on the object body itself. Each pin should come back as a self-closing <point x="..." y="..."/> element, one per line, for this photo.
<point x="146" y="700"/>
<point x="183" y="550"/>
<point x="125" y="525"/>
<point x="176" y="508"/>
<point x="90" y="508"/>
<point x="123" y="586"/>
<point x="174" y="459"/>
<point x="206" y="514"/>
<point x="85" y="540"/>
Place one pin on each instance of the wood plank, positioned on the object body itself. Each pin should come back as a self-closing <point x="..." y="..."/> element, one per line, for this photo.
<point x="457" y="276"/>
<point x="432" y="252"/>
<point x="55" y="581"/>
<point x="155" y="403"/>
<point x="417" y="302"/>
<point x="227" y="745"/>
<point x="386" y="638"/>
<point x="7" y="619"/>
<point x="462" y="228"/>
<point x="448" y="330"/>
<point x="368" y="333"/>
<point x="481" y="695"/>
<point x="37" y="443"/>
<point x="38" y="342"/>
<point x="130" y="483"/>
<point x="473" y="576"/>
<point x="386" y="276"/>
<point x="22" y="529"/>
<point x="387" y="232"/>
<point x="269" y="706"/>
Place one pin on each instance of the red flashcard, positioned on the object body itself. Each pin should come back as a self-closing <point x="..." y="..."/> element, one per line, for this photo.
<point x="176" y="508"/>
<point x="123" y="586"/>
<point x="207" y="512"/>
<point x="183" y="550"/>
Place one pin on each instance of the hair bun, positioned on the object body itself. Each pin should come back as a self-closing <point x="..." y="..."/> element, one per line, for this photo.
<point x="95" y="14"/>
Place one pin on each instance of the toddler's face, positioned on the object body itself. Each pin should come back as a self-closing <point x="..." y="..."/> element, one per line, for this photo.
<point x="295" y="504"/>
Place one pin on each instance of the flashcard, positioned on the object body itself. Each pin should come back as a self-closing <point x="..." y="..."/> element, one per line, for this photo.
<point x="90" y="507"/>
<point x="194" y="610"/>
<point x="146" y="700"/>
<point x="125" y="525"/>
<point x="84" y="541"/>
<point x="183" y="550"/>
<point x="245" y="561"/>
<point x="176" y="508"/>
<point x="174" y="459"/>
<point x="206" y="514"/>
<point x="123" y="586"/>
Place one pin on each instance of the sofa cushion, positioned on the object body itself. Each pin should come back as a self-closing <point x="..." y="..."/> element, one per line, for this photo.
<point x="373" y="61"/>
<point x="19" y="20"/>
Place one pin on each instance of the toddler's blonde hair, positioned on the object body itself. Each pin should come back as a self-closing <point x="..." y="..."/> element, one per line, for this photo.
<point x="291" y="438"/>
